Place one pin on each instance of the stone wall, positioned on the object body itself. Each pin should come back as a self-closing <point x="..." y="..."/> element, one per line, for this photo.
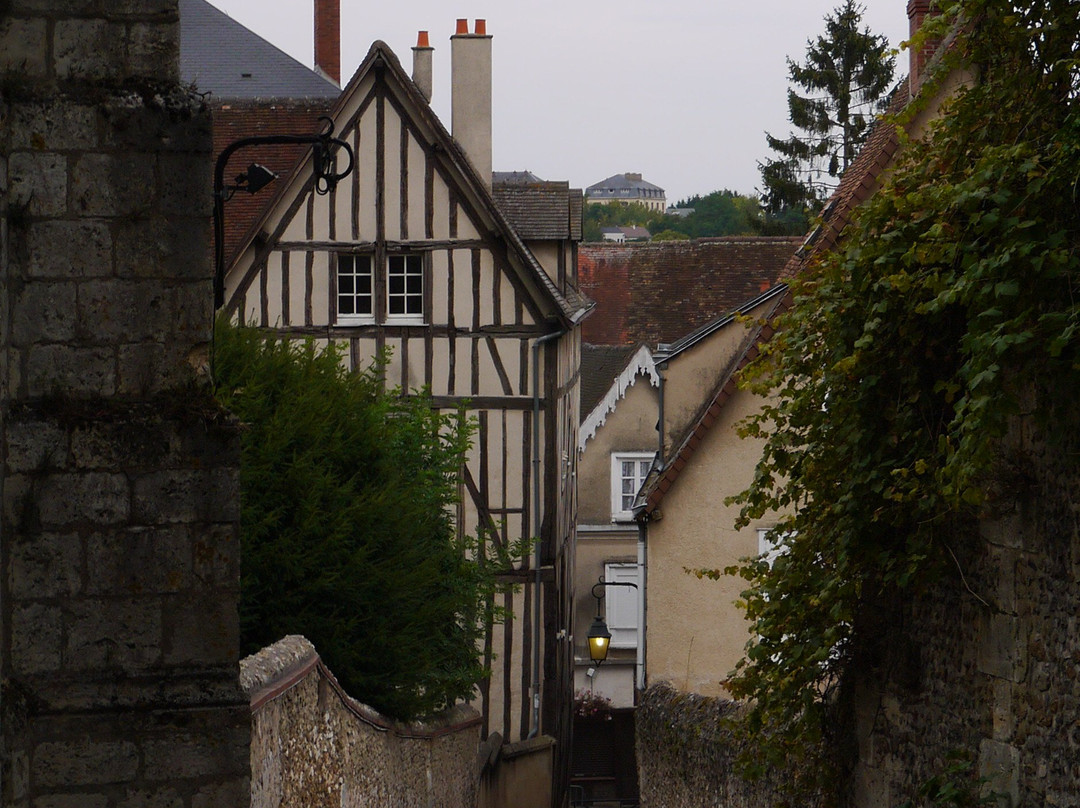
<point x="313" y="746"/>
<point x="686" y="755"/>
<point x="986" y="661"/>
<point x="119" y="532"/>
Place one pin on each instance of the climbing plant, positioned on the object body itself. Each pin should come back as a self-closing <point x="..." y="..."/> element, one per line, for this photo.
<point x="950" y="306"/>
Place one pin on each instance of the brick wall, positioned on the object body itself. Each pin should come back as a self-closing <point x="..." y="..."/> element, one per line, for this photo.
<point x="119" y="532"/>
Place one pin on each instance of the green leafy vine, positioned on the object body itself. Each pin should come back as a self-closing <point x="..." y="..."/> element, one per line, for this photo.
<point x="949" y="309"/>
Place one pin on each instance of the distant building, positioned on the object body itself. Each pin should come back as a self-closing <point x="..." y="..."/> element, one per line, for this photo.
<point x="682" y="213"/>
<point x="621" y="234"/>
<point x="627" y="188"/>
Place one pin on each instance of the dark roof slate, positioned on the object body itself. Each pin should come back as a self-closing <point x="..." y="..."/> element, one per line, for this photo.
<point x="658" y="292"/>
<point x="219" y="55"/>
<point x="618" y="182"/>
<point x="540" y="210"/>
<point x="600" y="366"/>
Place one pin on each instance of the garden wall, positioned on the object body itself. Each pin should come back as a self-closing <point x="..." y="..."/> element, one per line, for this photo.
<point x="685" y="755"/>
<point x="312" y="745"/>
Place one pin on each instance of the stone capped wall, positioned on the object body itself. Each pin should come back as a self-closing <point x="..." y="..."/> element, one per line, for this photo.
<point x="312" y="745"/>
<point x="686" y="755"/>
<point x="119" y="532"/>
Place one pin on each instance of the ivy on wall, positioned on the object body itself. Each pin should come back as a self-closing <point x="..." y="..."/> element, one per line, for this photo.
<point x="950" y="308"/>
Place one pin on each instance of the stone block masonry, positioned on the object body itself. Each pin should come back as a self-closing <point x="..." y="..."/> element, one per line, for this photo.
<point x="119" y="530"/>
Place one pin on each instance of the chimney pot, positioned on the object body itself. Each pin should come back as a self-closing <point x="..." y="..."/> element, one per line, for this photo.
<point x="422" y="71"/>
<point x="470" y="102"/>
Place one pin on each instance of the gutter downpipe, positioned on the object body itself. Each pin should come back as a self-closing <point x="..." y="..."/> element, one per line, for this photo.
<point x="537" y="524"/>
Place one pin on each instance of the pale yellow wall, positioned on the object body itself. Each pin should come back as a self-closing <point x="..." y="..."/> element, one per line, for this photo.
<point x="630" y="427"/>
<point x="693" y="375"/>
<point x="695" y="632"/>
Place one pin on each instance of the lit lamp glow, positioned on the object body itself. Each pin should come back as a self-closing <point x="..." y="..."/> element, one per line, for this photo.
<point x="599" y="640"/>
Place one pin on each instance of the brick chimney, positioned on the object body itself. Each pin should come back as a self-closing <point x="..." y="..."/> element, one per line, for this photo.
<point x="421" y="71"/>
<point x="917" y="11"/>
<point x="328" y="38"/>
<point x="470" y="94"/>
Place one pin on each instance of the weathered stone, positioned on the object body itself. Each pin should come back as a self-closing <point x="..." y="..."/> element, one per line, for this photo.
<point x="216" y="557"/>
<point x="142" y="369"/>
<point x="54" y="126"/>
<point x="84" y="763"/>
<point x="117" y="311"/>
<point x="110" y="634"/>
<point x="38" y="181"/>
<point x="60" y="249"/>
<point x="47" y="565"/>
<point x="112" y="185"/>
<point x="1000" y="652"/>
<point x="200" y="629"/>
<point x="181" y="195"/>
<point x="56" y="369"/>
<point x="35" y="446"/>
<point x="88" y="49"/>
<point x="37" y="639"/>
<point x="96" y="497"/>
<point x="23" y="46"/>
<point x="79" y="800"/>
<point x="122" y="442"/>
<point x="1000" y="764"/>
<point x="234" y="792"/>
<point x="139" y="561"/>
<point x="153" y="50"/>
<point x="186" y="496"/>
<point x="158" y="248"/>
<point x="44" y="312"/>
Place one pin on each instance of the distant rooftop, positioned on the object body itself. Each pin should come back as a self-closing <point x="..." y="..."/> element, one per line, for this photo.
<point x="219" y="55"/>
<point x="624" y="186"/>
<point x="514" y="177"/>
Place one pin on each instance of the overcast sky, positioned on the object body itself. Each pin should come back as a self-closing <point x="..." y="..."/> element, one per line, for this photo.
<point x="681" y="91"/>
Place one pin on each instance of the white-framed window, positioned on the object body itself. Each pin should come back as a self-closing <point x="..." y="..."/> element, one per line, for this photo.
<point x="355" y="289"/>
<point x="405" y="288"/>
<point x="621" y="604"/>
<point x="768" y="544"/>
<point x="628" y="472"/>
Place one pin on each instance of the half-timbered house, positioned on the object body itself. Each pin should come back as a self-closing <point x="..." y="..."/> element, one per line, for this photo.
<point x="413" y="253"/>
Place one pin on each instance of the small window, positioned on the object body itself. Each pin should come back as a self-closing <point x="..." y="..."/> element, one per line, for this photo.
<point x="405" y="287"/>
<point x="628" y="473"/>
<point x="768" y="542"/>
<point x="354" y="289"/>
<point x="621" y="604"/>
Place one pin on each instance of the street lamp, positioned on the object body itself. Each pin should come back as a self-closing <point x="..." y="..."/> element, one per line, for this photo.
<point x="324" y="164"/>
<point x="599" y="636"/>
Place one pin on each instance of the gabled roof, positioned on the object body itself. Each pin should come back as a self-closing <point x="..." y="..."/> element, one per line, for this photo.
<point x="219" y="55"/>
<point x="658" y="292"/>
<point x="382" y="65"/>
<point x="540" y="210"/>
<point x="621" y="182"/>
<point x="856" y="186"/>
<point x="607" y="372"/>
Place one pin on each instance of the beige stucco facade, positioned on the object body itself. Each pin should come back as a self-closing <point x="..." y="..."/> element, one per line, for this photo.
<point x="693" y="633"/>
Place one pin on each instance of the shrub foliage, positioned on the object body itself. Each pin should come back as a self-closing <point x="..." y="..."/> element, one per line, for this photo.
<point x="347" y="530"/>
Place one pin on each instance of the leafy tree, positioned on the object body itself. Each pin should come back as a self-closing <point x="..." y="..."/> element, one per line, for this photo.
<point x="347" y="535"/>
<point x="614" y="214"/>
<point x="844" y="83"/>
<point x="950" y="308"/>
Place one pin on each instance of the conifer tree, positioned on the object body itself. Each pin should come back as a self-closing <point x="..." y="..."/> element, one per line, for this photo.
<point x="844" y="82"/>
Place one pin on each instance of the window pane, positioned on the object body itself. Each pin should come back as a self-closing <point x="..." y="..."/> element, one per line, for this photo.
<point x="354" y="285"/>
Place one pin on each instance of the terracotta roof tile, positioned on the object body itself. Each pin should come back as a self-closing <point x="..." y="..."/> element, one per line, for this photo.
<point x="657" y="293"/>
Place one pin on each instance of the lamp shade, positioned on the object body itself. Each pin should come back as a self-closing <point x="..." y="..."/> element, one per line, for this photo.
<point x="599" y="640"/>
